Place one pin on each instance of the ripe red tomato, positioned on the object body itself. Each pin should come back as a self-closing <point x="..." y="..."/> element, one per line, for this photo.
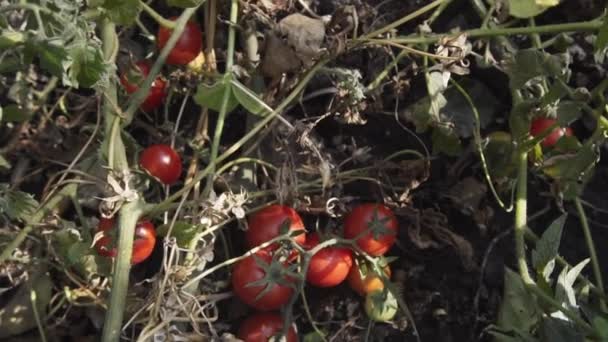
<point x="188" y="45"/>
<point x="266" y="225"/>
<point x="262" y="326"/>
<point x="379" y="222"/>
<point x="372" y="282"/>
<point x="132" y="78"/>
<point x="145" y="239"/>
<point x="162" y="163"/>
<point x="329" y="266"/>
<point x="248" y="271"/>
<point x="541" y="124"/>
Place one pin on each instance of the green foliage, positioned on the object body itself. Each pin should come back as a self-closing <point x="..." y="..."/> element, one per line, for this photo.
<point x="122" y="12"/>
<point x="184" y="3"/>
<point x="212" y="97"/>
<point x="183" y="232"/>
<point x="17" y="205"/>
<point x="529" y="8"/>
<point x="519" y="313"/>
<point x="548" y="245"/>
<point x="535" y="65"/>
<point x="601" y="42"/>
<point x="64" y="44"/>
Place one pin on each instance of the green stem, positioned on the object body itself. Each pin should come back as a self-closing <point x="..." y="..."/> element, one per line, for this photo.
<point x="129" y="214"/>
<point x="521" y="217"/>
<point x="219" y="127"/>
<point x="156" y="16"/>
<point x="403" y="20"/>
<point x="592" y="25"/>
<point x="597" y="273"/>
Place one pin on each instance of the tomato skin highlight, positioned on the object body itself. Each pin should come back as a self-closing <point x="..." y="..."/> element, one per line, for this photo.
<point x="262" y="326"/>
<point x="248" y="271"/>
<point x="161" y="162"/>
<point x="541" y="124"/>
<point x="266" y="224"/>
<point x="143" y="244"/>
<point x="157" y="93"/>
<point x="376" y="215"/>
<point x="372" y="282"/>
<point x="329" y="266"/>
<point x="188" y="45"/>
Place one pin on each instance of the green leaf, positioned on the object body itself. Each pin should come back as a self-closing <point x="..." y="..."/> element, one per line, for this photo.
<point x="519" y="312"/>
<point x="532" y="63"/>
<point x="4" y="164"/>
<point x="568" y="112"/>
<point x="77" y="251"/>
<point x="210" y="96"/>
<point x="183" y="232"/>
<point x="17" y="314"/>
<point x="13" y="113"/>
<point x="123" y="12"/>
<point x="249" y="100"/>
<point x="564" y="292"/>
<point x="601" y="42"/>
<point x="87" y="64"/>
<point x="600" y="324"/>
<point x="16" y="204"/>
<point x="548" y="245"/>
<point x="53" y="57"/>
<point x="558" y="330"/>
<point x="184" y="3"/>
<point x="445" y="141"/>
<point x="529" y="8"/>
<point x="313" y="336"/>
<point x="10" y="39"/>
<point x="574" y="168"/>
<point x="520" y="118"/>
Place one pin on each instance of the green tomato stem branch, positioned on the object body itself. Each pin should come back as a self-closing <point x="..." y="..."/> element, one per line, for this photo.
<point x="592" y="25"/>
<point x="219" y="126"/>
<point x="597" y="273"/>
<point x="156" y="16"/>
<point x="129" y="214"/>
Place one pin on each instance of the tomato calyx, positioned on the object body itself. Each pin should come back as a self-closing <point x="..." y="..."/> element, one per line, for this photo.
<point x="275" y="273"/>
<point x="378" y="226"/>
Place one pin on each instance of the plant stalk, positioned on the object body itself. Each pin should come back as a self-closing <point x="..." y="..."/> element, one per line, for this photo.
<point x="597" y="273"/>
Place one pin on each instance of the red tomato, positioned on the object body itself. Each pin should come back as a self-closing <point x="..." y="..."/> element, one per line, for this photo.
<point x="541" y="124"/>
<point x="248" y="271"/>
<point x="379" y="222"/>
<point x="188" y="45"/>
<point x="266" y="225"/>
<point x="131" y="80"/>
<point x="262" y="326"/>
<point x="329" y="266"/>
<point x="162" y="163"/>
<point x="145" y="239"/>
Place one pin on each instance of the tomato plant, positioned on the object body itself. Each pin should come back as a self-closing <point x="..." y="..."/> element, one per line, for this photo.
<point x="261" y="282"/>
<point x="131" y="79"/>
<point x="143" y="245"/>
<point x="381" y="306"/>
<point x="161" y="162"/>
<point x="370" y="282"/>
<point x="374" y="226"/>
<point x="268" y="223"/>
<point x="260" y="327"/>
<point x="188" y="45"/>
<point x="539" y="125"/>
<point x="329" y="266"/>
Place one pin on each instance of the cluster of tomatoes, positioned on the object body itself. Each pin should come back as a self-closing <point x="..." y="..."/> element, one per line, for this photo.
<point x="187" y="48"/>
<point x="159" y="161"/>
<point x="265" y="281"/>
<point x="162" y="163"/>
